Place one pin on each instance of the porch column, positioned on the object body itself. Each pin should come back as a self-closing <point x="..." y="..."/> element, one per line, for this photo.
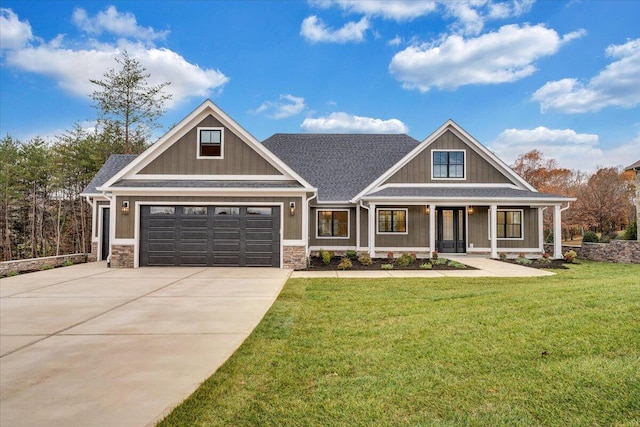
<point x="493" y="229"/>
<point x="372" y="229"/>
<point x="557" y="232"/>
<point x="541" y="229"/>
<point x="432" y="228"/>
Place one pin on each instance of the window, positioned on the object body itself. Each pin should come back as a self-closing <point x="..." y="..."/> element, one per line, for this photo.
<point x="392" y="221"/>
<point x="333" y="224"/>
<point x="210" y="142"/>
<point x="509" y="224"/>
<point x="448" y="164"/>
<point x="226" y="211"/>
<point x="162" y="210"/>
<point x="259" y="211"/>
<point x="194" y="210"/>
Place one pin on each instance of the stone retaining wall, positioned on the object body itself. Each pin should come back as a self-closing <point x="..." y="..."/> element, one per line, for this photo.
<point x="121" y="256"/>
<point x="35" y="264"/>
<point x="625" y="251"/>
<point x="294" y="257"/>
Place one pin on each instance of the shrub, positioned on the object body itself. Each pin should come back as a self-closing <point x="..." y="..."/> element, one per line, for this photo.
<point x="631" y="233"/>
<point x="326" y="256"/>
<point x="434" y="255"/>
<point x="352" y="255"/>
<point x="426" y="266"/>
<point x="365" y="259"/>
<point x="456" y="264"/>
<point x="405" y="260"/>
<point x="522" y="260"/>
<point x="545" y="255"/>
<point x="544" y="261"/>
<point x="590" y="237"/>
<point x="46" y="267"/>
<point x="387" y="266"/>
<point x="503" y="256"/>
<point x="439" y="261"/>
<point x="570" y="256"/>
<point x="12" y="273"/>
<point x="345" y="264"/>
<point x="68" y="263"/>
<point x="390" y="256"/>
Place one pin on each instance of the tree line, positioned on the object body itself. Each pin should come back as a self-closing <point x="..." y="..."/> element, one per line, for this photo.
<point x="41" y="210"/>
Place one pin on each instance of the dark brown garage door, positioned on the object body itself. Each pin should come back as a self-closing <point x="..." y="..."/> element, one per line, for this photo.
<point x="210" y="236"/>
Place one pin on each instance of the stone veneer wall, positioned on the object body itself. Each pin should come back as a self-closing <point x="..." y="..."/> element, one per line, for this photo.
<point x="34" y="264"/>
<point x="93" y="256"/>
<point x="625" y="251"/>
<point x="121" y="256"/>
<point x="294" y="257"/>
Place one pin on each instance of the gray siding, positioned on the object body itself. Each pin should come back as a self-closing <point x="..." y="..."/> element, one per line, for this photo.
<point x="364" y="228"/>
<point x="239" y="158"/>
<point x="292" y="225"/>
<point x="478" y="226"/>
<point x="313" y="229"/>
<point x="478" y="170"/>
<point x="417" y="227"/>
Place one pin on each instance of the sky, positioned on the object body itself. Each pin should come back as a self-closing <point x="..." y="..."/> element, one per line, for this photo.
<point x="562" y="77"/>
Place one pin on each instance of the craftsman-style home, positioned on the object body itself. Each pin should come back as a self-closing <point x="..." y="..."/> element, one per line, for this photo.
<point x="208" y="193"/>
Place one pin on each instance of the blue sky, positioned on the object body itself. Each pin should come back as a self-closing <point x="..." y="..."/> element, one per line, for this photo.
<point x="562" y="77"/>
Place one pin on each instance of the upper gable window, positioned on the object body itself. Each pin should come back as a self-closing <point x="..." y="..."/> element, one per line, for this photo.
<point x="448" y="164"/>
<point x="210" y="143"/>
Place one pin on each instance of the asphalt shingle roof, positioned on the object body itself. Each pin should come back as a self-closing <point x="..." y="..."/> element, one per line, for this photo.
<point x="114" y="164"/>
<point x="634" y="166"/>
<point x="204" y="184"/>
<point x="340" y="165"/>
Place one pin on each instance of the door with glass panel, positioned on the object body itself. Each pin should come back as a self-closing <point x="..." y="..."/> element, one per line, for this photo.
<point x="451" y="230"/>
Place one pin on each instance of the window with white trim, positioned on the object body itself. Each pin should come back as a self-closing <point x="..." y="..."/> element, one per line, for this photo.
<point x="509" y="224"/>
<point x="210" y="142"/>
<point x="333" y="223"/>
<point x="392" y="221"/>
<point x="448" y="164"/>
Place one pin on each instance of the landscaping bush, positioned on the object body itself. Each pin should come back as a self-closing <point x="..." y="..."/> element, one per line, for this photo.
<point x="387" y="266"/>
<point x="426" y="266"/>
<point x="590" y="237"/>
<point x="522" y="260"/>
<point x="405" y="259"/>
<point x="503" y="256"/>
<point x="345" y="264"/>
<point x="570" y="256"/>
<point x="456" y="264"/>
<point x="390" y="256"/>
<point x="326" y="256"/>
<point x="544" y="261"/>
<point x="434" y="255"/>
<point x="365" y="259"/>
<point x="352" y="255"/>
<point x="631" y="233"/>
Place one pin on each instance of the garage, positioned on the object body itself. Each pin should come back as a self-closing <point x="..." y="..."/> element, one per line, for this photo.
<point x="225" y="236"/>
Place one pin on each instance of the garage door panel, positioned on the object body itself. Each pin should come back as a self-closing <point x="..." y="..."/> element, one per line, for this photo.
<point x="242" y="236"/>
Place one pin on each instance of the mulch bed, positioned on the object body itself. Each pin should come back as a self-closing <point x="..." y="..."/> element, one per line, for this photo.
<point x="556" y="264"/>
<point x="317" y="265"/>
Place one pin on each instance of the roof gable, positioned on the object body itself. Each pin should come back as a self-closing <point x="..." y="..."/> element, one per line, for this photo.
<point x="114" y="164"/>
<point x="183" y="132"/>
<point x="501" y="174"/>
<point x="340" y="165"/>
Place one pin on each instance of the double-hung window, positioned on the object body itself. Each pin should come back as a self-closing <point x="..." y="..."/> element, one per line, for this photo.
<point x="509" y="224"/>
<point x="448" y="164"/>
<point x="392" y="221"/>
<point x="333" y="224"/>
<point x="210" y="143"/>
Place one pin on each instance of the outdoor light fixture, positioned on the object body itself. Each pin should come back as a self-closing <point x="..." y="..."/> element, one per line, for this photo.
<point x="470" y="210"/>
<point x="292" y="208"/>
<point x="427" y="211"/>
<point x="125" y="207"/>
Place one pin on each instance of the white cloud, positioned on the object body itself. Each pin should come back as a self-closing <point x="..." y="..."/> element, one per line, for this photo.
<point x="346" y="123"/>
<point x="469" y="15"/>
<point x="112" y="21"/>
<point x="572" y="150"/>
<point x="72" y="67"/>
<point x="314" y="30"/>
<point x="498" y="57"/>
<point x="287" y="106"/>
<point x="618" y="85"/>
<point x="14" y="33"/>
<point x="395" y="41"/>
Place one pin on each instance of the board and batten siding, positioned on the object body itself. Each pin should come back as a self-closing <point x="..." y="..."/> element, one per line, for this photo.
<point x="478" y="229"/>
<point x="418" y="170"/>
<point x="292" y="225"/>
<point x="181" y="157"/>
<point x="417" y="227"/>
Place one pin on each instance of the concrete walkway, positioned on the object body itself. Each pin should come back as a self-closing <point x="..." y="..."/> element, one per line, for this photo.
<point x="92" y="346"/>
<point x="485" y="268"/>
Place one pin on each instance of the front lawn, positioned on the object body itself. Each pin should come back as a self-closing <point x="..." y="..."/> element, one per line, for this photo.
<point x="548" y="351"/>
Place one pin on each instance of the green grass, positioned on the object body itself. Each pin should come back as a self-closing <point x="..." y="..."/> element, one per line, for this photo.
<point x="549" y="351"/>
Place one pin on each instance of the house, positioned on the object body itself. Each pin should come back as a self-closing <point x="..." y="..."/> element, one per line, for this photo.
<point x="636" y="168"/>
<point x="209" y="193"/>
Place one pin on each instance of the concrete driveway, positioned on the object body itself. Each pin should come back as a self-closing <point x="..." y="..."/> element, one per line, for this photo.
<point x="91" y="346"/>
